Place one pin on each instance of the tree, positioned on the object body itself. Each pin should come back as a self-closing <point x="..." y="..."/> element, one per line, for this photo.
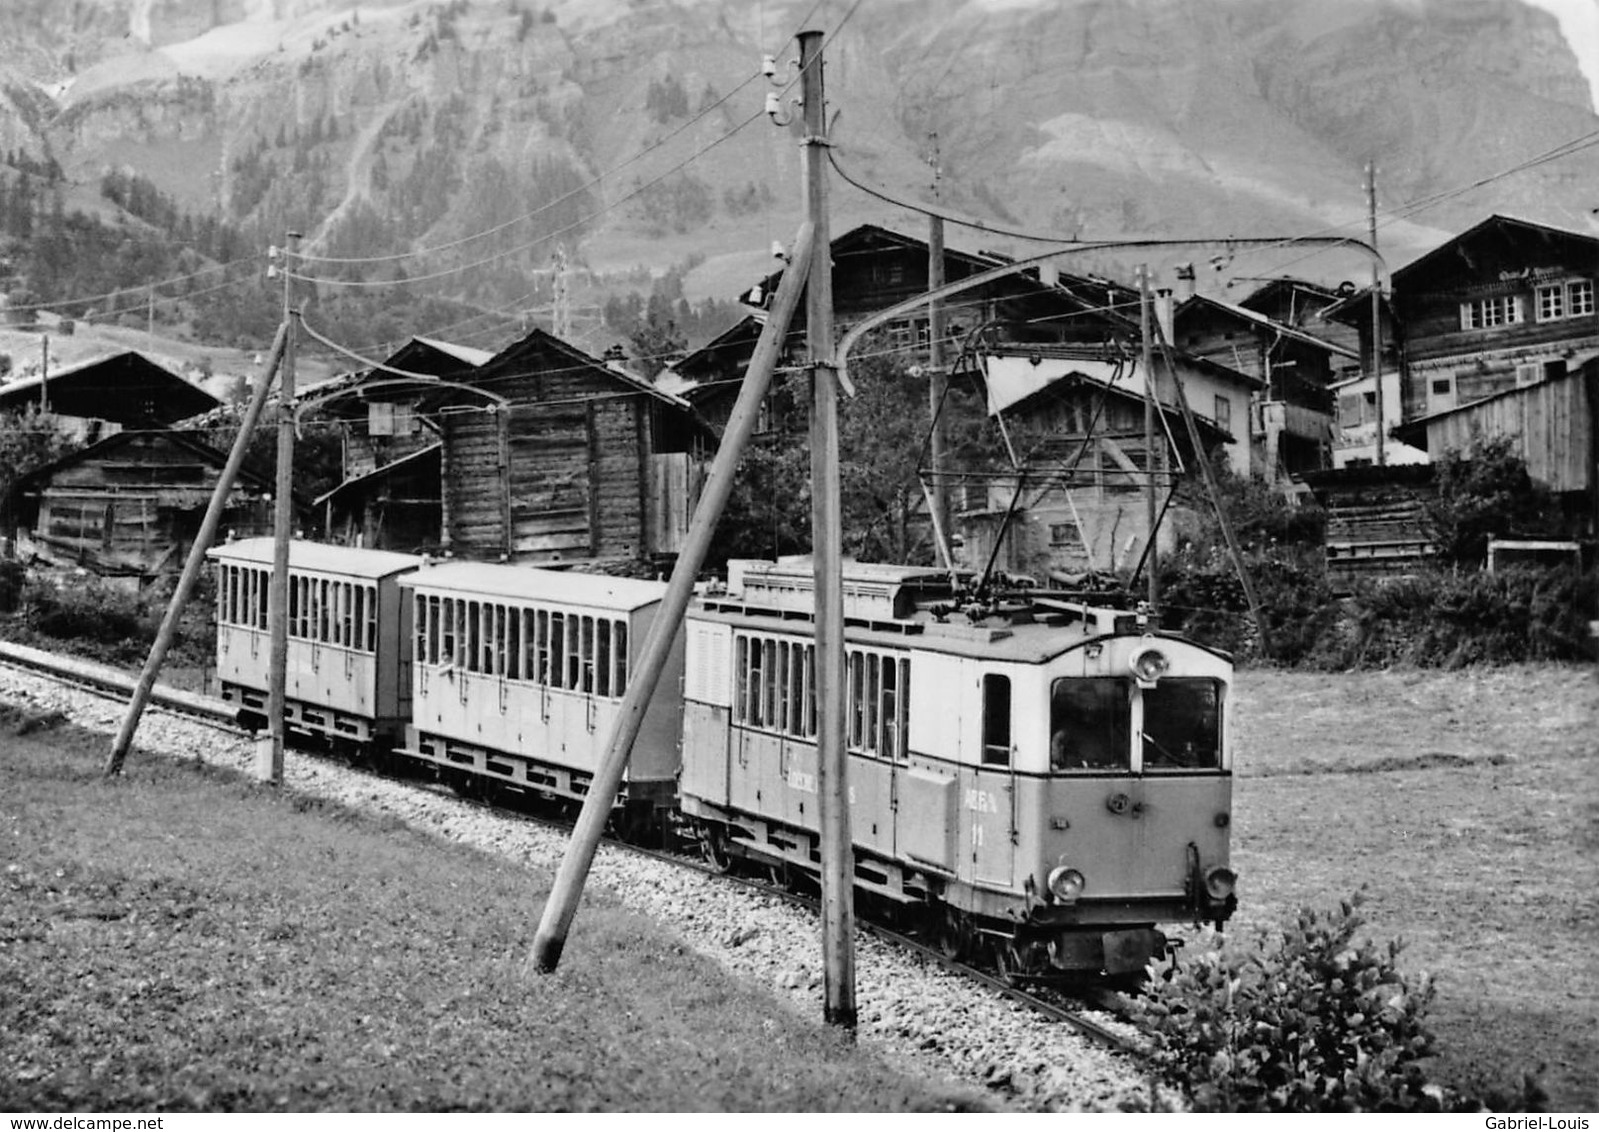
<point x="1484" y="492"/>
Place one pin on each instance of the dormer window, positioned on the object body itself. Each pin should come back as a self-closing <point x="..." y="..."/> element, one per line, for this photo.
<point x="1484" y="314"/>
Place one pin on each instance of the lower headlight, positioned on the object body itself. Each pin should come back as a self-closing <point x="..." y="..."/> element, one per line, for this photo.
<point x="1220" y="882"/>
<point x="1065" y="884"/>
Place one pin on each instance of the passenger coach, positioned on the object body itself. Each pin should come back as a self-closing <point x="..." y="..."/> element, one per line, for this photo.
<point x="347" y="680"/>
<point x="1047" y="779"/>
<point x="519" y="674"/>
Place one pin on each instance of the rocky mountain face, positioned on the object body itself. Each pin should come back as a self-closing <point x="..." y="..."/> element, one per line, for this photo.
<point x="387" y="125"/>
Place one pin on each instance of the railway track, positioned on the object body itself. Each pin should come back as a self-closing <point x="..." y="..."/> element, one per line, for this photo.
<point x="115" y="684"/>
<point x="1052" y="1005"/>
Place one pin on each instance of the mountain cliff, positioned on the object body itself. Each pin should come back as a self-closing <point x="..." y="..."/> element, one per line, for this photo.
<point x="381" y="127"/>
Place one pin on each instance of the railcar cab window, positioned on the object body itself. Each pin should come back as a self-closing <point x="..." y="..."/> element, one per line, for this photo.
<point x="1182" y="724"/>
<point x="1090" y="724"/>
<point x="996" y="720"/>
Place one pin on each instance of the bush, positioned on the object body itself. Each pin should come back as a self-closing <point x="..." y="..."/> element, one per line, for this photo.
<point x="1449" y="618"/>
<point x="1305" y="1022"/>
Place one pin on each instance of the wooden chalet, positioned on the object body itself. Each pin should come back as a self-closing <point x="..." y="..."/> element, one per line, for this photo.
<point x="875" y="268"/>
<point x="550" y="455"/>
<point x="130" y="505"/>
<point x="1076" y="425"/>
<point x="1291" y="421"/>
<point x="1505" y="305"/>
<point x="390" y="497"/>
<point x="94" y="398"/>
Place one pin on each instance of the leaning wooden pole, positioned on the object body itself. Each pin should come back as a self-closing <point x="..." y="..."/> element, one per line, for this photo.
<point x="191" y="570"/>
<point x="561" y="907"/>
<point x="1202" y="458"/>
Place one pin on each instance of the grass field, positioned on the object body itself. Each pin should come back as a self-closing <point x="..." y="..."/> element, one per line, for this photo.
<point x="185" y="940"/>
<point x="1467" y="804"/>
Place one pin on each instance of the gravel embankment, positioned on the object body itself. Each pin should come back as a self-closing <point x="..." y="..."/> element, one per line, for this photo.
<point x="914" y="1014"/>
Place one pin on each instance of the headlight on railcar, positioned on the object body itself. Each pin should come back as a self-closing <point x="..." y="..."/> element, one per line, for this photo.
<point x="1220" y="882"/>
<point x="1065" y="884"/>
<point x="1149" y="664"/>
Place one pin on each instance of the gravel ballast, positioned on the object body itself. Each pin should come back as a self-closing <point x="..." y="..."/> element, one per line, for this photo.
<point x="912" y="1012"/>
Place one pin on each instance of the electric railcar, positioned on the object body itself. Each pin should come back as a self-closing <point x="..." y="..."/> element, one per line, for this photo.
<point x="1048" y="781"/>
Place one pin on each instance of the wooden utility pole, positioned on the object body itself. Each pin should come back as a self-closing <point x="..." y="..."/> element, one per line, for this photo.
<point x="938" y="379"/>
<point x="561" y="907"/>
<point x="1151" y="551"/>
<point x="1376" y="304"/>
<point x="196" y="562"/>
<point x="282" y="532"/>
<point x="1208" y="473"/>
<point x="832" y="786"/>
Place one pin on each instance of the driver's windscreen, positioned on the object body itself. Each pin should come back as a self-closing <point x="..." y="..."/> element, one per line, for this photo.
<point x="1090" y="724"/>
<point x="1182" y="724"/>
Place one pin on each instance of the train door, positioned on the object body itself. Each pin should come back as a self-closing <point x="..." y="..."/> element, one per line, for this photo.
<point x="989" y="801"/>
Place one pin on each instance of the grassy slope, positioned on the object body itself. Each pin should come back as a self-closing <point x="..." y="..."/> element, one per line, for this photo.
<point x="1467" y="802"/>
<point x="181" y="939"/>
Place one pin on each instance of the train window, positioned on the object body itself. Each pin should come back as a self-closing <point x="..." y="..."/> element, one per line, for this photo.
<point x="324" y="611"/>
<point x="895" y="678"/>
<point x="347" y="614"/>
<point x="1182" y="724"/>
<point x="574" y="653"/>
<point x="586" y="656"/>
<point x="602" y="659"/>
<point x="557" y="650"/>
<point x="769" y="683"/>
<point x="996" y="720"/>
<point x="371" y="619"/>
<point x="495" y="661"/>
<point x="1090" y="724"/>
<point x="513" y="643"/>
<point x="432" y="653"/>
<point x="447" y="632"/>
<point x="741" y="670"/>
<point x="619" y="647"/>
<point x="795" y="696"/>
<point x="810" y="691"/>
<point x="855" y="677"/>
<point x="541" y="647"/>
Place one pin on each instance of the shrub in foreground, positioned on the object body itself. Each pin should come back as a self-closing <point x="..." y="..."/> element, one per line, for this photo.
<point x="1306" y="1021"/>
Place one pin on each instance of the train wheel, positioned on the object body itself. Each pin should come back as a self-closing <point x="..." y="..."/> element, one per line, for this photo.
<point x="953" y="934"/>
<point x="1008" y="963"/>
<point x="713" y="847"/>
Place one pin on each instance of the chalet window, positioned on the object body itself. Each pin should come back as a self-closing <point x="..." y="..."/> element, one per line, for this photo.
<point x="1064" y="534"/>
<point x="1565" y="300"/>
<point x="1579" y="297"/>
<point x="1349" y="406"/>
<point x="1224" y="413"/>
<point x="1483" y="314"/>
<point x="1443" y="386"/>
<point x="1551" y="302"/>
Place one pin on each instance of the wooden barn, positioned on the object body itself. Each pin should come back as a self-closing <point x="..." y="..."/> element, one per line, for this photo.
<point x="390" y="496"/>
<point x="94" y="398"/>
<point x="554" y="456"/>
<point x="1551" y="423"/>
<point x="130" y="505"/>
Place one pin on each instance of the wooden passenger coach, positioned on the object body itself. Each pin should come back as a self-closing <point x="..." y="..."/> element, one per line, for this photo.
<point x="347" y="679"/>
<point x="519" y="674"/>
